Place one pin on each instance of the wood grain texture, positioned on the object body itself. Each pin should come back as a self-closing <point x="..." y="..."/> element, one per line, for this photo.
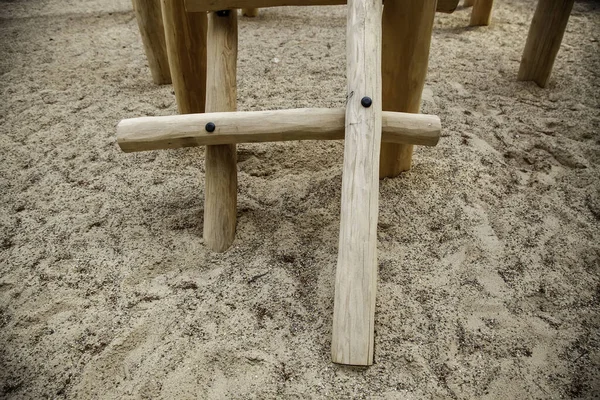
<point x="150" y="22"/>
<point x="356" y="274"/>
<point x="444" y="6"/>
<point x="185" y="35"/>
<point x="544" y="39"/>
<point x="250" y="12"/>
<point x="177" y="131"/>
<point x="407" y="27"/>
<point x="481" y="15"/>
<point x="220" y="198"/>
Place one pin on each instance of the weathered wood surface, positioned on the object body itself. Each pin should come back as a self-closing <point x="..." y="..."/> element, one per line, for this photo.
<point x="150" y="22"/>
<point x="544" y="39"/>
<point x="185" y="35"/>
<point x="407" y="27"/>
<point x="220" y="206"/>
<point x="250" y="12"/>
<point x="356" y="274"/>
<point x="444" y="6"/>
<point x="177" y="131"/>
<point x="481" y="15"/>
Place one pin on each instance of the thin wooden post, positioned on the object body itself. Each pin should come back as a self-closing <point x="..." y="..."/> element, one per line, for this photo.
<point x="407" y="27"/>
<point x="186" y="46"/>
<point x="468" y="3"/>
<point x="221" y="161"/>
<point x="481" y="15"/>
<point x="544" y="39"/>
<point x="250" y="12"/>
<point x="149" y="18"/>
<point x="356" y="275"/>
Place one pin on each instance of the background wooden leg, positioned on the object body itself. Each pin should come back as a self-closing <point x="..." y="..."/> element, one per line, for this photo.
<point x="481" y="15"/>
<point x="150" y="21"/>
<point x="468" y="3"/>
<point x="186" y="46"/>
<point x="220" y="204"/>
<point x="544" y="39"/>
<point x="407" y="26"/>
<point x="250" y="12"/>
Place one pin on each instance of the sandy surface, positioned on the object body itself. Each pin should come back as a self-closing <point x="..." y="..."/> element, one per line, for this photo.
<point x="489" y="249"/>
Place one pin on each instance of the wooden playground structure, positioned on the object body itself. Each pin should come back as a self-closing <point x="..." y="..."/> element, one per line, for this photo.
<point x="193" y="44"/>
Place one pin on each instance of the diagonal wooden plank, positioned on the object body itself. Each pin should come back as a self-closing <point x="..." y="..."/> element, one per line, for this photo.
<point x="356" y="275"/>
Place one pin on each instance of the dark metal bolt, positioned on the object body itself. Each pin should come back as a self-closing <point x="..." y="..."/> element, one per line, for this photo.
<point x="366" y="102"/>
<point x="223" y="13"/>
<point x="210" y="127"/>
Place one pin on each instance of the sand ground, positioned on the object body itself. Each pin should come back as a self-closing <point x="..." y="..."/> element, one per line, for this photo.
<point x="489" y="249"/>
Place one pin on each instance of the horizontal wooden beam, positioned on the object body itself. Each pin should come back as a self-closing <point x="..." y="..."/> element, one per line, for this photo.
<point x="444" y="6"/>
<point x="177" y="131"/>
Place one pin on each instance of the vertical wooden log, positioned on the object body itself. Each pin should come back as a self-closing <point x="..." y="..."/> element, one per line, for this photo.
<point x="221" y="161"/>
<point x="468" y="3"/>
<point x="250" y="12"/>
<point x="544" y="39"/>
<point x="356" y="275"/>
<point x="481" y="15"/>
<point x="149" y="18"/>
<point x="186" y="46"/>
<point x="407" y="27"/>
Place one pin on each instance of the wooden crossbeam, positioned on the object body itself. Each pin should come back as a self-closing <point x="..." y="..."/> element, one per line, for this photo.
<point x="177" y="131"/>
<point x="444" y="6"/>
<point x="356" y="273"/>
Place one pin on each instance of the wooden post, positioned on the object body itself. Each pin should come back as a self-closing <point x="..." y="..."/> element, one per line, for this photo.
<point x="221" y="161"/>
<point x="250" y="12"/>
<point x="468" y="3"/>
<point x="149" y="18"/>
<point x="356" y="275"/>
<point x="186" y="46"/>
<point x="544" y="39"/>
<point x="407" y="27"/>
<point x="481" y="15"/>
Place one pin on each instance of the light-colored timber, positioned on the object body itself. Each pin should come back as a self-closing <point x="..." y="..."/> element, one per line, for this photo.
<point x="250" y="12"/>
<point x="468" y="3"/>
<point x="544" y="39"/>
<point x="150" y="22"/>
<point x="177" y="131"/>
<point x="481" y="15"/>
<point x="407" y="27"/>
<point x="356" y="274"/>
<point x="444" y="6"/>
<point x="221" y="161"/>
<point x="185" y="35"/>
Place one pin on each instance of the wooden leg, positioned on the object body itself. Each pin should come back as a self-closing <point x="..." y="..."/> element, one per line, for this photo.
<point x="356" y="275"/>
<point x="250" y="12"/>
<point x="407" y="27"/>
<point x="468" y="3"/>
<point x="186" y="46"/>
<point x="481" y="15"/>
<point x="149" y="17"/>
<point x="220" y="163"/>
<point x="544" y="39"/>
